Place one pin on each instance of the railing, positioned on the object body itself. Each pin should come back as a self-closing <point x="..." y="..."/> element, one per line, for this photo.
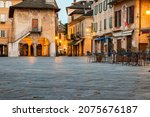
<point x="127" y="58"/>
<point x="26" y="31"/>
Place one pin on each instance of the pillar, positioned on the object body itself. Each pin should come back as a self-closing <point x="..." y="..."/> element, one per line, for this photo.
<point x="93" y="46"/>
<point x="53" y="49"/>
<point x="34" y="46"/>
<point x="13" y="50"/>
<point x="29" y="50"/>
<point x="3" y="49"/>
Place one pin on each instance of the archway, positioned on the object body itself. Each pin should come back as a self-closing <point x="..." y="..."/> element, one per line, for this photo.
<point x="25" y="47"/>
<point x="39" y="50"/>
<point x="43" y="47"/>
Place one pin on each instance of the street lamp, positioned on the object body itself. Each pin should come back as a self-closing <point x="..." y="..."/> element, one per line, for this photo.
<point x="148" y="11"/>
<point x="56" y="38"/>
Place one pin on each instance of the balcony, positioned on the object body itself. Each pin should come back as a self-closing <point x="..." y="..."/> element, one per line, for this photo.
<point x="36" y="30"/>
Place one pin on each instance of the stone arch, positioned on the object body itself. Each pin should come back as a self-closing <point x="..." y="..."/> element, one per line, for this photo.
<point x="43" y="46"/>
<point x="25" y="47"/>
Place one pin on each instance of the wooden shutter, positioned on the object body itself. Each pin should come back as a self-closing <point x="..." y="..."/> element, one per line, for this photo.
<point x="127" y="16"/>
<point x="119" y="17"/>
<point x="115" y="18"/>
<point x="132" y="14"/>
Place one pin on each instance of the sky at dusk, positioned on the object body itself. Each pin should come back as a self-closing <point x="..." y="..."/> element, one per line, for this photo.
<point x="62" y="5"/>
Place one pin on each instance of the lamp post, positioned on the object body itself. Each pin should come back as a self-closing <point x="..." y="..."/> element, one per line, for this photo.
<point x="56" y="38"/>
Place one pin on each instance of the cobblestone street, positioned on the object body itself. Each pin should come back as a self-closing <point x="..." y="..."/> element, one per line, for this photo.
<point x="71" y="78"/>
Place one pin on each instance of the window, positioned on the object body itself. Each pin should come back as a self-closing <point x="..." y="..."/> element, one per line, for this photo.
<point x="95" y="27"/>
<point x="110" y="6"/>
<point x="105" y="5"/>
<point x="100" y="7"/>
<point x="118" y="18"/>
<point x="8" y="4"/>
<point x="1" y="4"/>
<point x="3" y="33"/>
<point x="130" y="14"/>
<point x="96" y="9"/>
<point x="110" y="22"/>
<point x="105" y="24"/>
<point x="100" y="26"/>
<point x="2" y="17"/>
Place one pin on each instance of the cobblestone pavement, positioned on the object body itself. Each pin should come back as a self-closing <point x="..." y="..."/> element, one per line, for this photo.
<point x="71" y="78"/>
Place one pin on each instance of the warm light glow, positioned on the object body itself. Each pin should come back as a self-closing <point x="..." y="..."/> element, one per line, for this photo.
<point x="56" y="37"/>
<point x="148" y="12"/>
<point x="87" y="30"/>
<point x="31" y="60"/>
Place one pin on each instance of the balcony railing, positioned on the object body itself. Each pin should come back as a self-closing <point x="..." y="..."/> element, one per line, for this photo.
<point x="36" y="30"/>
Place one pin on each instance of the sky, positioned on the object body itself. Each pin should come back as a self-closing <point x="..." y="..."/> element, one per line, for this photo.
<point x="62" y="13"/>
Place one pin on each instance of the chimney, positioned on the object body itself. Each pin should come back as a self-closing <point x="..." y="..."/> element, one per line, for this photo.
<point x="74" y="1"/>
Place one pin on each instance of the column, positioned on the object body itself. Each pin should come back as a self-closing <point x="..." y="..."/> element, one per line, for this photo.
<point x="3" y="49"/>
<point x="29" y="50"/>
<point x="53" y="49"/>
<point x="93" y="46"/>
<point x="34" y="46"/>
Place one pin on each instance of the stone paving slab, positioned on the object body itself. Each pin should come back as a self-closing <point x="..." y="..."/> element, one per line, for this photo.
<point x="71" y="78"/>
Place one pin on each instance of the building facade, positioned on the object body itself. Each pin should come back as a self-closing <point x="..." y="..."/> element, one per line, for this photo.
<point x="130" y="21"/>
<point x="5" y="25"/>
<point x="34" y="28"/>
<point x="102" y="26"/>
<point x="79" y="28"/>
<point x="120" y="24"/>
<point x="61" y="40"/>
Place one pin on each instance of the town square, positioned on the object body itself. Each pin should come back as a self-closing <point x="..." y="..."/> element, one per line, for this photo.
<point x="75" y="50"/>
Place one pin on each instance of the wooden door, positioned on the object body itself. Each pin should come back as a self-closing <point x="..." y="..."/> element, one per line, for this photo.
<point x="129" y="43"/>
<point x="118" y="44"/>
<point x="35" y="25"/>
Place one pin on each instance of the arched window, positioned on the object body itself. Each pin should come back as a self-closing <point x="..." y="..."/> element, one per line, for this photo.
<point x="8" y="4"/>
<point x="1" y="4"/>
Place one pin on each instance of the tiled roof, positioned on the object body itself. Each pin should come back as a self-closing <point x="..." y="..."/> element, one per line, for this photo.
<point x="81" y="5"/>
<point x="34" y="4"/>
<point x="78" y="11"/>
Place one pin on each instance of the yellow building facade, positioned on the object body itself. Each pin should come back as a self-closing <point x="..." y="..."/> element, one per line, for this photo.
<point x="79" y="28"/>
<point x="5" y="25"/>
<point x="125" y="22"/>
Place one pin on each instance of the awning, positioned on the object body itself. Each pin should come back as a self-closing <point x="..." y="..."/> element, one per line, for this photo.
<point x="127" y="33"/>
<point x="72" y="43"/>
<point x="145" y="31"/>
<point x="78" y="42"/>
<point x="99" y="39"/>
<point x="123" y="33"/>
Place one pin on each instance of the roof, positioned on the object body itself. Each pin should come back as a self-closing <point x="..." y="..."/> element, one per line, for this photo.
<point x="89" y="13"/>
<point x="34" y="4"/>
<point x="81" y="5"/>
<point x="115" y="2"/>
<point x="77" y="11"/>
